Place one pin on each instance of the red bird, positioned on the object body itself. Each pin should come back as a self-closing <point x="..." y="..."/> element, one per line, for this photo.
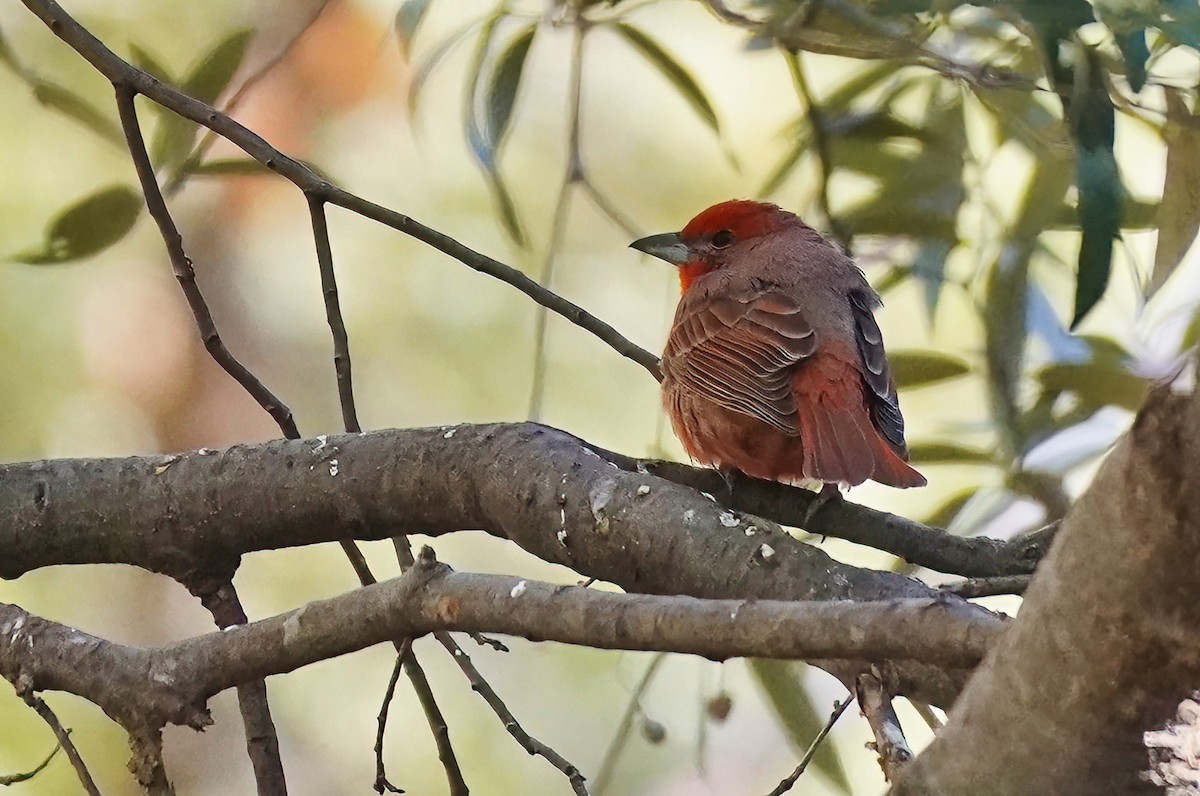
<point x="775" y="365"/>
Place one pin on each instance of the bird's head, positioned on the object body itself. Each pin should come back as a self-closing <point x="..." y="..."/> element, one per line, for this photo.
<point x="715" y="238"/>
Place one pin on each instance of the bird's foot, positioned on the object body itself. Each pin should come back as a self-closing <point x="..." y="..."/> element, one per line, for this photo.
<point x="828" y="493"/>
<point x="729" y="476"/>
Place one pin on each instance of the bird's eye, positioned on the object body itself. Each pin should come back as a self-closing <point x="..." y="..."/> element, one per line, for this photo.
<point x="722" y="239"/>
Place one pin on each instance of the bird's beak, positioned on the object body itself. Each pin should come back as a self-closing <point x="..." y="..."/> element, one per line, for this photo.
<point x="667" y="246"/>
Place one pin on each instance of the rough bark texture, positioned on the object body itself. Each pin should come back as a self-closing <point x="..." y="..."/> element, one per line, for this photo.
<point x="1106" y="643"/>
<point x="193" y="515"/>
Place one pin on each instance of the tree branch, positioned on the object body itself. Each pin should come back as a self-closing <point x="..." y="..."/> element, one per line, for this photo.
<point x="63" y="736"/>
<point x="122" y="73"/>
<point x="918" y="544"/>
<point x="151" y="687"/>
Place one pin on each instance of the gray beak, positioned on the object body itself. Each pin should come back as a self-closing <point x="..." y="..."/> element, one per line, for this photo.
<point x="667" y="246"/>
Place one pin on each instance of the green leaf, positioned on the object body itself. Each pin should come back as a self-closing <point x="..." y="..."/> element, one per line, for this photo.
<point x="436" y="56"/>
<point x="672" y="71"/>
<point x="147" y="62"/>
<point x="1135" y="52"/>
<point x="943" y="515"/>
<point x="919" y="368"/>
<point x="212" y="75"/>
<point x="504" y="85"/>
<point x="224" y="167"/>
<point x="948" y="453"/>
<point x="1179" y="212"/>
<point x="1096" y="384"/>
<point x="1006" y="296"/>
<point x="1093" y="120"/>
<point x="88" y="226"/>
<point x="174" y="137"/>
<point x="408" y="19"/>
<point x="782" y="684"/>
<point x="73" y="105"/>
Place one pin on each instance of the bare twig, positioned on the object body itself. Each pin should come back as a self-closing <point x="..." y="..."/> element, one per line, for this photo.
<point x="382" y="785"/>
<point x="184" y="273"/>
<point x="333" y="314"/>
<point x="617" y="745"/>
<point x="989" y="587"/>
<point x="416" y="676"/>
<point x="482" y="687"/>
<point x="876" y="705"/>
<point x="786" y="784"/>
<point x="562" y="212"/>
<point x="530" y="744"/>
<point x="437" y="724"/>
<point x="25" y="776"/>
<point x="136" y="81"/>
<point x="262" y="741"/>
<point x="820" y="141"/>
<point x="63" y="736"/>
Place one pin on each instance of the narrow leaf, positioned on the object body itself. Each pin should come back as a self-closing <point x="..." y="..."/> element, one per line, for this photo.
<point x="76" y="107"/>
<point x="1099" y="184"/>
<point x="673" y="71"/>
<point x="1096" y="384"/>
<point x="1179" y="212"/>
<point x="944" y="514"/>
<point x="948" y="453"/>
<point x="147" y="62"/>
<point x="1135" y="52"/>
<point x="918" y="368"/>
<point x="504" y="85"/>
<point x="782" y="684"/>
<point x="212" y="75"/>
<point x="408" y="19"/>
<point x="224" y="167"/>
<point x="89" y="226"/>
<point x="436" y="56"/>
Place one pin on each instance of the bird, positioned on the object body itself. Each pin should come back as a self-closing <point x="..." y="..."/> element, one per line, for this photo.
<point x="774" y="365"/>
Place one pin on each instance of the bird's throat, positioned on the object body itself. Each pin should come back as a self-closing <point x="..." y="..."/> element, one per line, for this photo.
<point x="691" y="271"/>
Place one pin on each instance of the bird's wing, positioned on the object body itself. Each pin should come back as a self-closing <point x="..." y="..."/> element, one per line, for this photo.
<point x="739" y="352"/>
<point x="881" y="395"/>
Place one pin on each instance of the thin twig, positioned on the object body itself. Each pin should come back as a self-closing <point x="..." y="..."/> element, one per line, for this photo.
<point x="482" y="687"/>
<point x="64" y="742"/>
<point x="820" y="141"/>
<point x="302" y="176"/>
<point x="333" y="314"/>
<point x="562" y="212"/>
<point x="437" y="724"/>
<point x="989" y="587"/>
<point x="927" y="715"/>
<point x="185" y="274"/>
<point x="262" y="740"/>
<point x="609" y="764"/>
<point x="382" y="785"/>
<point x="25" y="776"/>
<point x="876" y="705"/>
<point x="420" y="683"/>
<point x="786" y="784"/>
<point x="530" y="744"/>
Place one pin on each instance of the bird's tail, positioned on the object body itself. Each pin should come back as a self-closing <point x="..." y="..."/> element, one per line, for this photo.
<point x="842" y="444"/>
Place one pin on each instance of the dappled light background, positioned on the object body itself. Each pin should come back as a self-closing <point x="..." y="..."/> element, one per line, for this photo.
<point x="103" y="358"/>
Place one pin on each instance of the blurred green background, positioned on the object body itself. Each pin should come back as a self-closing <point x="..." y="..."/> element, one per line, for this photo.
<point x="928" y="178"/>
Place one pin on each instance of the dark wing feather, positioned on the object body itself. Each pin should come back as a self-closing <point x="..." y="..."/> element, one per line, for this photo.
<point x="739" y="354"/>
<point x="885" y="405"/>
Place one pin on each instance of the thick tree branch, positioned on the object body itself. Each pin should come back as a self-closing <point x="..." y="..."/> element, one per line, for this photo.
<point x="188" y="514"/>
<point x="151" y="687"/>
<point x="921" y="545"/>
<point x="1105" y="646"/>
<point x="122" y="73"/>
